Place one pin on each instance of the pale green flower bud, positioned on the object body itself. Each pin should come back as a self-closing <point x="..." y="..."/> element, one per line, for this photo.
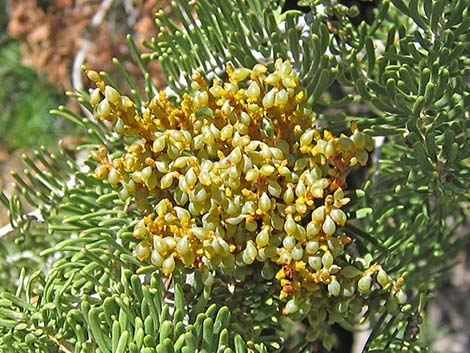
<point x="383" y="278"/>
<point x="216" y="91"/>
<point x="306" y="137"/>
<point x="364" y="283"/>
<point x="313" y="229"/>
<point x="262" y="239"/>
<point x="281" y="98"/>
<point x="289" y="242"/>
<point x="102" y="110"/>
<point x="159" y="144"/>
<point x="168" y="265"/>
<point x="338" y="216"/>
<point x="264" y="203"/>
<point x="142" y="250"/>
<point x="259" y="69"/>
<point x="140" y="230"/>
<point x="291" y="306"/>
<point x="315" y="262"/>
<point x="401" y="297"/>
<point x="312" y="247"/>
<point x="327" y="259"/>
<point x="112" y="95"/>
<point x="297" y="253"/>
<point x="290" y="226"/>
<point x="273" y="79"/>
<point x="253" y="91"/>
<point x="334" y="288"/>
<point x="156" y="259"/>
<point x="288" y="195"/>
<point x="268" y="99"/>
<point x="113" y="176"/>
<point x="318" y="215"/>
<point x="95" y="97"/>
<point x="183" y="246"/>
<point x="93" y="75"/>
<point x="329" y="226"/>
<point x="239" y="74"/>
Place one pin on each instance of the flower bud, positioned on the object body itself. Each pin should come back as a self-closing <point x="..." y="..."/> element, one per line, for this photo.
<point x="226" y="132"/>
<point x="168" y="265"/>
<point x="160" y="245"/>
<point x="93" y="75"/>
<point x="291" y="307"/>
<point x="191" y="177"/>
<point x="364" y="283"/>
<point x="239" y="74"/>
<point x="95" y="97"/>
<point x="142" y="250"/>
<point x="268" y="99"/>
<point x="273" y="79"/>
<point x="183" y="247"/>
<point x="259" y="69"/>
<point x="113" y="176"/>
<point x="159" y="144"/>
<point x="112" y="95"/>
<point x="382" y="278"/>
<point x="334" y="288"/>
<point x="285" y="257"/>
<point x="327" y="259"/>
<point x="338" y="216"/>
<point x="264" y="203"/>
<point x="156" y="259"/>
<point x="146" y="173"/>
<point x="312" y="247"/>
<point x="315" y="262"/>
<point x="401" y="297"/>
<point x="289" y="81"/>
<point x="201" y="99"/>
<point x="216" y="91"/>
<point x="101" y="172"/>
<point x="281" y="98"/>
<point x="140" y="230"/>
<point x="262" y="239"/>
<point x="313" y="229"/>
<point x="247" y="259"/>
<point x="267" y="169"/>
<point x="102" y="110"/>
<point x="290" y="226"/>
<point x="306" y="137"/>
<point x="251" y="250"/>
<point x="288" y="195"/>
<point x="318" y="215"/>
<point x="253" y="91"/>
<point x="274" y="188"/>
<point x="297" y="253"/>
<point x="166" y="181"/>
<point x="289" y="242"/>
<point x="329" y="226"/>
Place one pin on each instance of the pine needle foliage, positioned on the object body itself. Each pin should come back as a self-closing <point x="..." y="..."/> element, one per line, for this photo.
<point x="71" y="280"/>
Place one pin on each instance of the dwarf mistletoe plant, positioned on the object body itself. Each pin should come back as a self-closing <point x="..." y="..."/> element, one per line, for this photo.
<point x="299" y="172"/>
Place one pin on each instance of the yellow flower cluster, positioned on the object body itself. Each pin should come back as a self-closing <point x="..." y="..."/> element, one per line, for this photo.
<point x="236" y="173"/>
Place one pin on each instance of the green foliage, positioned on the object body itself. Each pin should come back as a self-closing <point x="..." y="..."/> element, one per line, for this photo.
<point x="25" y="98"/>
<point x="404" y="78"/>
